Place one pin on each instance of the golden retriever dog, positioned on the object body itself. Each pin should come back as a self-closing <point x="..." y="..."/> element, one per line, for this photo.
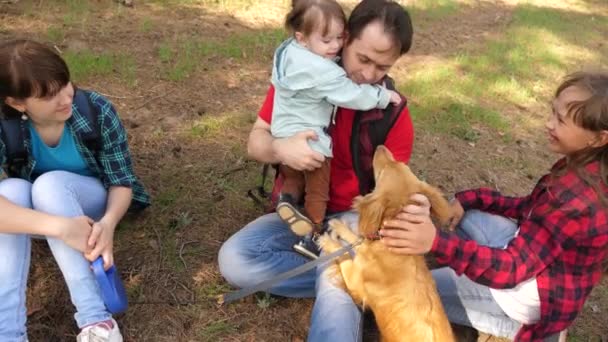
<point x="399" y="289"/>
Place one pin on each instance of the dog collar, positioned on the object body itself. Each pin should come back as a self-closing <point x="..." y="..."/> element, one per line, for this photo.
<point x="374" y="236"/>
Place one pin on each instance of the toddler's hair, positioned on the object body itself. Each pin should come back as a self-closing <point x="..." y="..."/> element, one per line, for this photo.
<point x="308" y="16"/>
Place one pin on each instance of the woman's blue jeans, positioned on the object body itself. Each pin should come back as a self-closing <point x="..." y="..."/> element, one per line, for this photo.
<point x="58" y="193"/>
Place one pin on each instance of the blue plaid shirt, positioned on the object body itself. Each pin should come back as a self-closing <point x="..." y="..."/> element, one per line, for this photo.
<point x="112" y="165"/>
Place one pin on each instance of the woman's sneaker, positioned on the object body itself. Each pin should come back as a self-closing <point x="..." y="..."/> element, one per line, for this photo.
<point x="106" y="331"/>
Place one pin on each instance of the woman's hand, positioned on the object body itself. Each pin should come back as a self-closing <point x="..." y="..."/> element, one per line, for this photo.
<point x="101" y="242"/>
<point x="296" y="153"/>
<point x="411" y="231"/>
<point x="75" y="231"/>
<point x="102" y="236"/>
<point x="457" y="213"/>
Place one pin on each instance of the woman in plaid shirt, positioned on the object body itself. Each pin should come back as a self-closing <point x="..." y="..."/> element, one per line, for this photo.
<point x="72" y="195"/>
<point x="522" y="267"/>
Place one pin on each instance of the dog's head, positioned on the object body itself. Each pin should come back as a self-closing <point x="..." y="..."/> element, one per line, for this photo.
<point x="395" y="183"/>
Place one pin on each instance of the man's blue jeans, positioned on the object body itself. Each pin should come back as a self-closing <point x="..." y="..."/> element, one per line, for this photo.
<point x="263" y="249"/>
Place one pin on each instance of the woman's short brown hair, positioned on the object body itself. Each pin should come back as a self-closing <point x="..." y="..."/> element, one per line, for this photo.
<point x="30" y="69"/>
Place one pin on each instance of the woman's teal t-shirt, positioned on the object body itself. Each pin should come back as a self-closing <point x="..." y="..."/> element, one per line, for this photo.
<point x="65" y="156"/>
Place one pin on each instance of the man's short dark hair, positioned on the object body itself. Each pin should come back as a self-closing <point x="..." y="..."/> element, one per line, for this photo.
<point x="394" y="18"/>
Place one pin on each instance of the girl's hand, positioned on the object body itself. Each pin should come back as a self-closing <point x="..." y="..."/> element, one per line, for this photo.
<point x="395" y="97"/>
<point x="411" y="231"/>
<point x="457" y="214"/>
<point x="75" y="231"/>
<point x="101" y="242"/>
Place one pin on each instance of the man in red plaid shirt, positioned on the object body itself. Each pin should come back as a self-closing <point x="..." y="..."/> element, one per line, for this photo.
<point x="522" y="267"/>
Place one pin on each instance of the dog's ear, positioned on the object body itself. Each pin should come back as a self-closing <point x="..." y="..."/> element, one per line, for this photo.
<point x="440" y="207"/>
<point x="371" y="209"/>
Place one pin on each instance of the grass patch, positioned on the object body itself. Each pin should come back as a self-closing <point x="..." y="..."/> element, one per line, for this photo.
<point x="134" y="290"/>
<point x="171" y="257"/>
<point x="76" y="11"/>
<point x="146" y="25"/>
<point x="55" y="34"/>
<point x="213" y="126"/>
<point x="212" y="331"/>
<point x="229" y="5"/>
<point x="126" y="68"/>
<point x="184" y="57"/>
<point x="212" y="289"/>
<point x="165" y="53"/>
<point x="520" y="69"/>
<point x="167" y="198"/>
<point x="444" y="103"/>
<point x="84" y="64"/>
<point x="182" y="220"/>
<point x="265" y="300"/>
<point x="433" y="9"/>
<point x="252" y="9"/>
<point x="175" y="2"/>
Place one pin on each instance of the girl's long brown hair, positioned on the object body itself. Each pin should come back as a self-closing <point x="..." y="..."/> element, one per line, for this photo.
<point x="590" y="114"/>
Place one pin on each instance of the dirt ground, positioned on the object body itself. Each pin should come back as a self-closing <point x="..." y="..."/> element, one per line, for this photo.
<point x="188" y="140"/>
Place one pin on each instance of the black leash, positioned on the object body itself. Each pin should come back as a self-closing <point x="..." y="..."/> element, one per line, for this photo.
<point x="235" y="295"/>
<point x="259" y="195"/>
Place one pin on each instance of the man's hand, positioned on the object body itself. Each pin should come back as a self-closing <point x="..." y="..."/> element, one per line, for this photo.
<point x="296" y="153"/>
<point x="411" y="231"/>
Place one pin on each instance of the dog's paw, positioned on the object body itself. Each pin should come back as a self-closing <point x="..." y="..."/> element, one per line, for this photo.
<point x="339" y="228"/>
<point x="333" y="223"/>
<point x="333" y="273"/>
<point x="357" y="200"/>
<point x="328" y="243"/>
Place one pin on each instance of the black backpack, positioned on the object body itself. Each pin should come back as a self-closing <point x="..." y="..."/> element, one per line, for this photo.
<point x="378" y="131"/>
<point x="14" y="132"/>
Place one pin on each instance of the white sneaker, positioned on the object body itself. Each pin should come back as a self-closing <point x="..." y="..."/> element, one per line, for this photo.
<point x="100" y="333"/>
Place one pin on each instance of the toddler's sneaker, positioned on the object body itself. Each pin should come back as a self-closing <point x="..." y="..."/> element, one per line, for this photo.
<point x="304" y="247"/>
<point x="106" y="331"/>
<point x="297" y="222"/>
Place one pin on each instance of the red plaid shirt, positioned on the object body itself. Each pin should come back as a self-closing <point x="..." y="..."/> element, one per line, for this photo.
<point x="562" y="240"/>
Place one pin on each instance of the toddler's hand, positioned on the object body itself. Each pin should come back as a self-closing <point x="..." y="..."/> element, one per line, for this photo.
<point x="395" y="97"/>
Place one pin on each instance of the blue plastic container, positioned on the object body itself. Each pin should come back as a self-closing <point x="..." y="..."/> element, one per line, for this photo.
<point x="112" y="289"/>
